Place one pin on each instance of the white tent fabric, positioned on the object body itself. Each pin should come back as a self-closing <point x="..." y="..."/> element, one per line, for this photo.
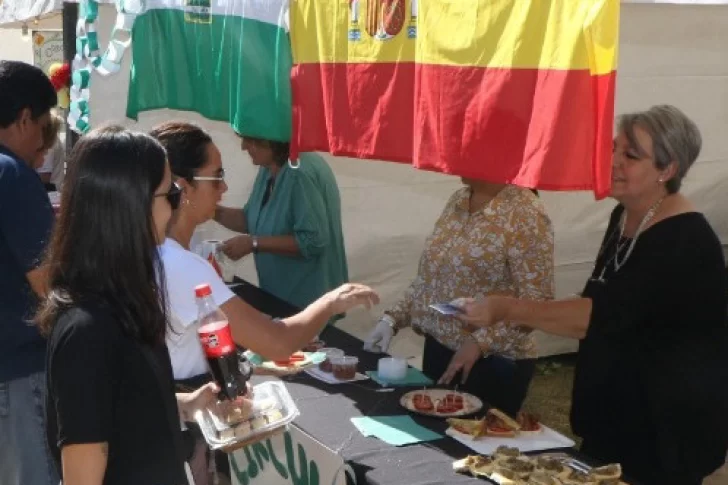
<point x="14" y="12"/>
<point x="668" y="54"/>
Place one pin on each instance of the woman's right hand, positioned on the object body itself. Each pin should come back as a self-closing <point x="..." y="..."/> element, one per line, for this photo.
<point x="350" y="295"/>
<point x="481" y="313"/>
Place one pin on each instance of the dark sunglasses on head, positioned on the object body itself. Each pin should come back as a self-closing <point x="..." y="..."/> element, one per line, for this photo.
<point x="173" y="196"/>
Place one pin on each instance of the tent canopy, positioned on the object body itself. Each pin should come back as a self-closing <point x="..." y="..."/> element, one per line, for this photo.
<point x="14" y="13"/>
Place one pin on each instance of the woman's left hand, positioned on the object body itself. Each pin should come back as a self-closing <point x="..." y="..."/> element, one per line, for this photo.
<point x="463" y="362"/>
<point x="238" y="247"/>
<point x="190" y="402"/>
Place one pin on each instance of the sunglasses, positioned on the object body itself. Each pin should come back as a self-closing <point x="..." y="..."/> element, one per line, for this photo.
<point x="173" y="196"/>
<point x="220" y="177"/>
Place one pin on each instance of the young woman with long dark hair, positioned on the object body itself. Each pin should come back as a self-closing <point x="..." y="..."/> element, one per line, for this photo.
<point x="112" y="413"/>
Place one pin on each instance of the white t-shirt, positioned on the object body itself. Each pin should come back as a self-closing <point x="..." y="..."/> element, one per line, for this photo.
<point x="184" y="270"/>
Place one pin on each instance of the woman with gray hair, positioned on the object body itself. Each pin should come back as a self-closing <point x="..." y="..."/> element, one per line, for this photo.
<point x="649" y="388"/>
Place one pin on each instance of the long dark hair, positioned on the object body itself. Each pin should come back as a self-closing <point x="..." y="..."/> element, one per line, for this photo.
<point x="104" y="247"/>
<point x="186" y="146"/>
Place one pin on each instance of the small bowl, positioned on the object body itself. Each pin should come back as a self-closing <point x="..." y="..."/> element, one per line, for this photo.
<point x="331" y="353"/>
<point x="392" y="368"/>
<point x="344" y="368"/>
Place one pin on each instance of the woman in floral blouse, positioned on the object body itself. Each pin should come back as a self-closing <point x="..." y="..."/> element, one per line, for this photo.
<point x="490" y="239"/>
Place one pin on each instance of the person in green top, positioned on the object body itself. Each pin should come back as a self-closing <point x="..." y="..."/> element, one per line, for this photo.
<point x="291" y="223"/>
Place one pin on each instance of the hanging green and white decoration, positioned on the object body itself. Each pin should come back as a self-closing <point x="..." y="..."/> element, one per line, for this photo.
<point x="89" y="58"/>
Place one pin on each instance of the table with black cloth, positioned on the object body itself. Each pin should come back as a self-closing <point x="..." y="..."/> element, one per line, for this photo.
<point x="326" y="410"/>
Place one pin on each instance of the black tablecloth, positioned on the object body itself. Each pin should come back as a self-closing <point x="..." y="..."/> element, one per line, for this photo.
<point x="326" y="410"/>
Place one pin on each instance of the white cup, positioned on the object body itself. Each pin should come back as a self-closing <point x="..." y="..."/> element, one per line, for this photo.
<point x="392" y="368"/>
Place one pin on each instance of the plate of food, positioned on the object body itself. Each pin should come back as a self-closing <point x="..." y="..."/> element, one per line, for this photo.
<point x="442" y="403"/>
<point x="509" y="466"/>
<point x="295" y="363"/>
<point x="496" y="428"/>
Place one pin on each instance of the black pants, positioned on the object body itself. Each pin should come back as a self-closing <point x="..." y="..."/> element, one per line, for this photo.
<point x="499" y="382"/>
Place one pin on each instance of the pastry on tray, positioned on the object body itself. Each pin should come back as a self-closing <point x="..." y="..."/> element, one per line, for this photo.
<point x="471" y="427"/>
<point x="475" y="464"/>
<point x="499" y="423"/>
<point x="495" y="423"/>
<point x="508" y="466"/>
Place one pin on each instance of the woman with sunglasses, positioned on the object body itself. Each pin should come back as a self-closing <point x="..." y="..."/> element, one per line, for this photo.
<point x="197" y="168"/>
<point x="112" y="414"/>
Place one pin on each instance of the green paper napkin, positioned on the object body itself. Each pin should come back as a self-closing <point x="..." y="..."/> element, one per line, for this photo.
<point x="414" y="377"/>
<point x="395" y="430"/>
<point x="257" y="360"/>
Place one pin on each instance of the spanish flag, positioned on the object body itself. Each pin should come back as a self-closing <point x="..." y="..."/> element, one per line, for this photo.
<point x="516" y="91"/>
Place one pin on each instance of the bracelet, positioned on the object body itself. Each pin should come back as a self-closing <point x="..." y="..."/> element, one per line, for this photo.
<point x="391" y="323"/>
<point x="255" y="244"/>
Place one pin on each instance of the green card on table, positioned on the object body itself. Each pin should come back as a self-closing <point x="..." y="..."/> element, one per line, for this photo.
<point x="395" y="430"/>
<point x="414" y="377"/>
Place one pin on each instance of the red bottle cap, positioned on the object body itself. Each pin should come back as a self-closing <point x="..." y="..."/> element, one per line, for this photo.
<point x="203" y="290"/>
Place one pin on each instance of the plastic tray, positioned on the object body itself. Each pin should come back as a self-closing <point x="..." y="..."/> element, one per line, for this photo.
<point x="267" y="397"/>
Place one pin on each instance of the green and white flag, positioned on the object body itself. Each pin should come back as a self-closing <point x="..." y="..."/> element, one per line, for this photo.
<point x="229" y="60"/>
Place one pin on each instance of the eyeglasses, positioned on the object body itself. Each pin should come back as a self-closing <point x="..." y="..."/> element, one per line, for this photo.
<point x="218" y="179"/>
<point x="173" y="196"/>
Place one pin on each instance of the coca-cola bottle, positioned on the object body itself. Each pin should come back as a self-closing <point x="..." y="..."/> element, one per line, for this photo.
<point x="230" y="369"/>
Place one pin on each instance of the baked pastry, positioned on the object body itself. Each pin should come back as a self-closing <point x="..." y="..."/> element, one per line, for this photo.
<point x="576" y="477"/>
<point x="504" y="476"/>
<point x="505" y="452"/>
<point x="521" y="466"/>
<point x="463" y="465"/>
<point x="471" y="427"/>
<point x="258" y="422"/>
<point x="243" y="430"/>
<point x="529" y="423"/>
<point x="482" y="466"/>
<point x="551" y="467"/>
<point x="500" y="424"/>
<point x="607" y="472"/>
<point x="542" y="478"/>
<point x="273" y="416"/>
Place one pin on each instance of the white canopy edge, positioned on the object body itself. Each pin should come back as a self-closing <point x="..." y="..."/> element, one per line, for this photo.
<point x="14" y="13"/>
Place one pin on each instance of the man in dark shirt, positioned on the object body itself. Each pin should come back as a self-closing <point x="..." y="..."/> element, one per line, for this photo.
<point x="26" y="217"/>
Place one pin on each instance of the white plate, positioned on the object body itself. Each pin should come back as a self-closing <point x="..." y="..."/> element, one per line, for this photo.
<point x="328" y="377"/>
<point x="486" y="445"/>
<point x="471" y="403"/>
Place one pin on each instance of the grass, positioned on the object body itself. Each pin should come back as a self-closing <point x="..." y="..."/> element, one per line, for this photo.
<point x="550" y="393"/>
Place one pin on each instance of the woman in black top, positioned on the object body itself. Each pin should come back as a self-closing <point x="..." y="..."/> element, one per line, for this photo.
<point x="112" y="414"/>
<point x="650" y="386"/>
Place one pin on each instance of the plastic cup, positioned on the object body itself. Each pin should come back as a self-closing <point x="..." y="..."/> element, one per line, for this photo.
<point x="344" y="368"/>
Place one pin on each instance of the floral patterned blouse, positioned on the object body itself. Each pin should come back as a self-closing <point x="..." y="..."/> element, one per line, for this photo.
<point x="507" y="247"/>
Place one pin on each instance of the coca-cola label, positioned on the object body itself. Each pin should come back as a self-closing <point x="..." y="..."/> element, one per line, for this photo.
<point x="216" y="339"/>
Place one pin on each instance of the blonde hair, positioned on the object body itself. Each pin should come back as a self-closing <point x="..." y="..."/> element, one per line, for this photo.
<point x="50" y="131"/>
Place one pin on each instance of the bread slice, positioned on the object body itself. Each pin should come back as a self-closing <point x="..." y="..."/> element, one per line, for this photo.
<point x="542" y="478"/>
<point x="529" y="424"/>
<point x="607" y="472"/>
<point x="500" y="424"/>
<point x="471" y="427"/>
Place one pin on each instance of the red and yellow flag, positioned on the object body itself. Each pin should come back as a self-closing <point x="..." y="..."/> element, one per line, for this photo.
<point x="517" y="91"/>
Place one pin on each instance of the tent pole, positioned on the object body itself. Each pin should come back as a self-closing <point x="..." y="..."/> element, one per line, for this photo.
<point x="70" y="17"/>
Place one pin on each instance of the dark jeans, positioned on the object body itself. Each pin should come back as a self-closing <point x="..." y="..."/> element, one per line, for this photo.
<point x="499" y="382"/>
